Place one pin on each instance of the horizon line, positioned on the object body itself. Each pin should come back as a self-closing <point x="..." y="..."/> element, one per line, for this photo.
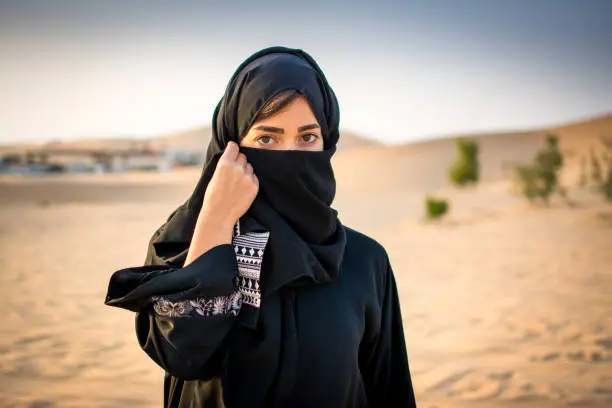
<point x="416" y="139"/>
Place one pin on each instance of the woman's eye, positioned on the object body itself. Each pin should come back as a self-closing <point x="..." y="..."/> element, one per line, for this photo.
<point x="309" y="138"/>
<point x="265" y="139"/>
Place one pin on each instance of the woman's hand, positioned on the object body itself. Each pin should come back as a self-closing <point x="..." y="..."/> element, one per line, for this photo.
<point x="229" y="195"/>
<point x="233" y="187"/>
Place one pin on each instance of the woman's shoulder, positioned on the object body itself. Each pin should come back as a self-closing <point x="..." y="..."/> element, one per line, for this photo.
<point x="360" y="245"/>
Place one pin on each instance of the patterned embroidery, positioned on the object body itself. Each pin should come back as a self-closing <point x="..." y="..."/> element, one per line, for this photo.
<point x="249" y="249"/>
<point x="220" y="305"/>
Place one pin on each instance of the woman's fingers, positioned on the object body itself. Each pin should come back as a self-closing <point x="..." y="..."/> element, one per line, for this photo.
<point x="230" y="153"/>
<point x="249" y="169"/>
<point x="232" y="157"/>
<point x="233" y="187"/>
<point x="241" y="160"/>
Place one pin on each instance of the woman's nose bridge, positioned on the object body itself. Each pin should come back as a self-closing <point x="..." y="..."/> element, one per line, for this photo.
<point x="289" y="142"/>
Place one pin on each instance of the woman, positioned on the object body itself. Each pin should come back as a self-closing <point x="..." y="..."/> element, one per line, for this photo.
<point x="253" y="293"/>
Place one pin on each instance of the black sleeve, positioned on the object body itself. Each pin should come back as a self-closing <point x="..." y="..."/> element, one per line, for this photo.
<point x="182" y="314"/>
<point x="384" y="363"/>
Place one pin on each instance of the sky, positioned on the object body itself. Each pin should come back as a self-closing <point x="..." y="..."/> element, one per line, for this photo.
<point x="402" y="70"/>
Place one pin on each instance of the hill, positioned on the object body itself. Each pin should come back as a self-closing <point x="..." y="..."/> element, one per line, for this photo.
<point x="424" y="164"/>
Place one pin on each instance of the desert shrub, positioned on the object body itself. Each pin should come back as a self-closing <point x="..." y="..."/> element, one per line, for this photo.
<point x="601" y="169"/>
<point x="548" y="163"/>
<point x="539" y="179"/>
<point x="583" y="172"/>
<point x="606" y="184"/>
<point x="528" y="182"/>
<point x="436" y="207"/>
<point x="596" y="172"/>
<point x="466" y="168"/>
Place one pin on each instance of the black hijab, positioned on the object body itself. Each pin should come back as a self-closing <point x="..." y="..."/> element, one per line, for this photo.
<point x="296" y="188"/>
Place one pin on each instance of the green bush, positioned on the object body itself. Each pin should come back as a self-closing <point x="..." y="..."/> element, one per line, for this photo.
<point x="528" y="182"/>
<point x="606" y="186"/>
<point x="596" y="172"/>
<point x="466" y="168"/>
<point x="539" y="179"/>
<point x="606" y="183"/>
<point x="436" y="207"/>
<point x="601" y="170"/>
<point x="583" y="172"/>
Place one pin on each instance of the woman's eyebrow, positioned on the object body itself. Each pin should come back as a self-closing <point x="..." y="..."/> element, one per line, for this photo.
<point x="270" y="129"/>
<point x="308" y="127"/>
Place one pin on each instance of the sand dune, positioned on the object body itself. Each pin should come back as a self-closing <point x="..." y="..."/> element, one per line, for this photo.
<point x="425" y="164"/>
<point x="505" y="305"/>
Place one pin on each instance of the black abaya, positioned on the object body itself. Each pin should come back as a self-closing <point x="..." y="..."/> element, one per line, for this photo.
<point x="299" y="311"/>
<point x="341" y="344"/>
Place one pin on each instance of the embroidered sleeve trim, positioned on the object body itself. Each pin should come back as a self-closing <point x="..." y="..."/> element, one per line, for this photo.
<point x="220" y="305"/>
<point x="249" y="249"/>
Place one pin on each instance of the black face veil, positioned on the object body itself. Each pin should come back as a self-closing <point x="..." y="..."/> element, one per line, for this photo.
<point x="307" y="240"/>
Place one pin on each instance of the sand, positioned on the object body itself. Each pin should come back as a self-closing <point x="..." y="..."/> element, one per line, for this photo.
<point x="504" y="304"/>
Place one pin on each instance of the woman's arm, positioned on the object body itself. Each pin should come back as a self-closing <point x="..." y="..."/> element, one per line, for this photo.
<point x="182" y="315"/>
<point x="384" y="361"/>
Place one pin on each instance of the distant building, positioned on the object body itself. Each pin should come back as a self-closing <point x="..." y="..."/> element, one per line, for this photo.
<point x="185" y="157"/>
<point x="80" y="167"/>
<point x="159" y="163"/>
<point x="97" y="160"/>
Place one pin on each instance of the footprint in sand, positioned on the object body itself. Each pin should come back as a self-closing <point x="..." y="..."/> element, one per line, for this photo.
<point x="589" y="356"/>
<point x="41" y="404"/>
<point x="605" y="343"/>
<point x="546" y="357"/>
<point x="565" y="332"/>
<point x="485" y="387"/>
<point x="585" y="356"/>
<point x="480" y="390"/>
<point x="32" y="339"/>
<point x="502" y="376"/>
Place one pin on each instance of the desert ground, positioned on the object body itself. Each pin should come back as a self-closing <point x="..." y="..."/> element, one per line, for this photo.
<point x="505" y="304"/>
